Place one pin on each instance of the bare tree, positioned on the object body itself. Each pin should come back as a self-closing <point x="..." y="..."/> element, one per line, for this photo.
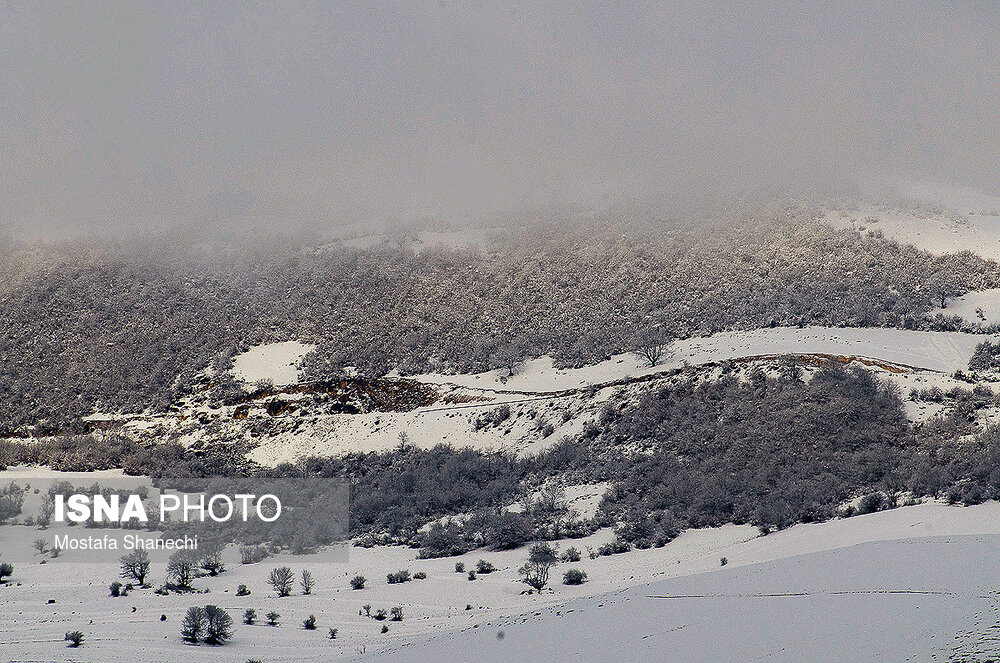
<point x="281" y="579"/>
<point x="942" y="285"/>
<point x="541" y="559"/>
<point x="135" y="565"/>
<point x="651" y="343"/>
<point x="45" y="512"/>
<point x="183" y="566"/>
<point x="551" y="507"/>
<point x="211" y="558"/>
<point x="11" y="501"/>
<point x="509" y="357"/>
<point x="307" y="581"/>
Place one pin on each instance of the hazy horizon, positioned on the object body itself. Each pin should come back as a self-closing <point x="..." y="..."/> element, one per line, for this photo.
<point x="121" y="119"/>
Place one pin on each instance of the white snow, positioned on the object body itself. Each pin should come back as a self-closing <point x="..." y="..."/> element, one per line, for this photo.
<point x="936" y="351"/>
<point x="891" y="586"/>
<point x="970" y="305"/>
<point x="936" y="217"/>
<point x="277" y="362"/>
<point x="440" y="423"/>
<point x="922" y="599"/>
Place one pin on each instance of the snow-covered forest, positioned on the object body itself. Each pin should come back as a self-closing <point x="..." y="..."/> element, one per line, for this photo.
<point x="87" y="328"/>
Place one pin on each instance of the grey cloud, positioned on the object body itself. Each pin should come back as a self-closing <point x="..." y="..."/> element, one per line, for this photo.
<point x="125" y="118"/>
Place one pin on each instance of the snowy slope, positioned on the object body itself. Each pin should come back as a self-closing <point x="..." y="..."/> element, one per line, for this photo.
<point x="544" y="404"/>
<point x="277" y="362"/>
<point x="936" y="351"/>
<point x="936" y="217"/>
<point x="982" y="307"/>
<point x="910" y="600"/>
<point x="436" y="613"/>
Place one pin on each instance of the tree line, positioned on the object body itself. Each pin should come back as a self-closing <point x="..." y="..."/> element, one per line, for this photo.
<point x="86" y="328"/>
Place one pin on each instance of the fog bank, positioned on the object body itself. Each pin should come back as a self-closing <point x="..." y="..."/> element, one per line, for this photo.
<point x="125" y="118"/>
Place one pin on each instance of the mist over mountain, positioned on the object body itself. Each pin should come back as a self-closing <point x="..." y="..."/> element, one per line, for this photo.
<point x="120" y="119"/>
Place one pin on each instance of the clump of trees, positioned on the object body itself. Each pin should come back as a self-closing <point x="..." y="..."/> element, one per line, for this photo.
<point x="446" y="539"/>
<point x="211" y="624"/>
<point x="985" y="358"/>
<point x="546" y="516"/>
<point x="571" y="554"/>
<point x="401" y="576"/>
<point x="766" y="450"/>
<point x="251" y="554"/>
<point x="75" y="638"/>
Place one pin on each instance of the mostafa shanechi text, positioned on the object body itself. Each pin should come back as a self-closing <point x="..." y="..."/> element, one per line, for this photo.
<point x="127" y="542"/>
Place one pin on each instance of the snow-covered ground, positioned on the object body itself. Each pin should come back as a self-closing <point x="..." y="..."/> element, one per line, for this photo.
<point x="937" y="233"/>
<point x="936" y="351"/>
<point x="960" y="199"/>
<point x="937" y="217"/>
<point x="909" y="584"/>
<point x="982" y="307"/>
<point x="437" y="622"/>
<point x="277" y="362"/>
<point x="922" y="599"/>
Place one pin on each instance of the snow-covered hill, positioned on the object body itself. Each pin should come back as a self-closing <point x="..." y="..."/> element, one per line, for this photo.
<point x="522" y="413"/>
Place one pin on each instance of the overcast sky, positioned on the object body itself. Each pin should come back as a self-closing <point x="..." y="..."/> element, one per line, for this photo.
<point x="292" y="114"/>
